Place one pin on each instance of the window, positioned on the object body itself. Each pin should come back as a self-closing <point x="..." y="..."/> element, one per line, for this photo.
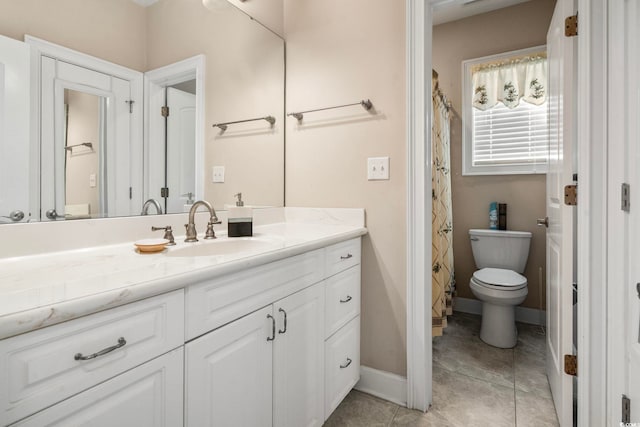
<point x="505" y="114"/>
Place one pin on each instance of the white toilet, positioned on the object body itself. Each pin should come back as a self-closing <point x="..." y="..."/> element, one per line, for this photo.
<point x="500" y="257"/>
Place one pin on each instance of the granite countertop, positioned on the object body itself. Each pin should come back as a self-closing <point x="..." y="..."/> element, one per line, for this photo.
<point x="42" y="290"/>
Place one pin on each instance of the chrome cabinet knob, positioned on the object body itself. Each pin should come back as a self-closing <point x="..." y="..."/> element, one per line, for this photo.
<point x="543" y="222"/>
<point x="15" y="216"/>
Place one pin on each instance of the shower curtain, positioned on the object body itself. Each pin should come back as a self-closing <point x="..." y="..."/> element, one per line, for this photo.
<point x="443" y="281"/>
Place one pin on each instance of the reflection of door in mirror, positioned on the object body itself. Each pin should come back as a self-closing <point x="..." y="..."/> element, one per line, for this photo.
<point x="174" y="159"/>
<point x="86" y="162"/>
<point x="14" y="131"/>
<point x="84" y="120"/>
<point x="180" y="145"/>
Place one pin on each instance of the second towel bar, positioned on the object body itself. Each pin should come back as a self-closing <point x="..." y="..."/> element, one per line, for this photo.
<point x="366" y="104"/>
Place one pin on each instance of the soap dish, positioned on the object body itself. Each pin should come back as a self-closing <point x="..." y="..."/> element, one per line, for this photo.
<point x="150" y="246"/>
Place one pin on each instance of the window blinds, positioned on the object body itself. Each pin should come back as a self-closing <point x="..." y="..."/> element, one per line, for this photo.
<point x="511" y="136"/>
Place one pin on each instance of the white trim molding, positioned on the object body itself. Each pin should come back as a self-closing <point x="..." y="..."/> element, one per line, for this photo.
<point x="592" y="213"/>
<point x="419" y="346"/>
<point x="382" y="384"/>
<point x="528" y="315"/>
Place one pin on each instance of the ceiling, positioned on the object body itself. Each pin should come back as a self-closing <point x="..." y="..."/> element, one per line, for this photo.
<point x="452" y="10"/>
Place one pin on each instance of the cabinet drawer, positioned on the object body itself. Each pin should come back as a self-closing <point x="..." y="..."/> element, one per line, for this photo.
<point x="342" y="364"/>
<point x="147" y="396"/>
<point x="216" y="302"/>
<point x="341" y="256"/>
<point x="342" y="296"/>
<point x="41" y="367"/>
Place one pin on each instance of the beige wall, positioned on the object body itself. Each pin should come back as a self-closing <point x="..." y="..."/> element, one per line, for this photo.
<point x="516" y="27"/>
<point x="83" y="25"/>
<point x="244" y="79"/>
<point x="340" y="52"/>
<point x="270" y="13"/>
<point x="83" y="126"/>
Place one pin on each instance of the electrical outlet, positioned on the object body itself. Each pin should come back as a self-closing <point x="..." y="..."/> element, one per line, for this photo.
<point x="377" y="168"/>
<point x="218" y="174"/>
<point x="92" y="180"/>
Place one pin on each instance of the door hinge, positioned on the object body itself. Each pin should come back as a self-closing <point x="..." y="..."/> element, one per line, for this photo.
<point x="571" y="364"/>
<point x="571" y="26"/>
<point x="626" y="409"/>
<point x="164" y="192"/>
<point x="571" y="195"/>
<point x="130" y="193"/>
<point x="130" y="102"/>
<point x="625" y="193"/>
<point x="164" y="111"/>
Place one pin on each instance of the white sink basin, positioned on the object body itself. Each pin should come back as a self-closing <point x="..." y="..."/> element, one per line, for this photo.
<point x="226" y="246"/>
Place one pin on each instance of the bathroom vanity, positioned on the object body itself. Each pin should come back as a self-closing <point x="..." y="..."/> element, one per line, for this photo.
<point x="265" y="334"/>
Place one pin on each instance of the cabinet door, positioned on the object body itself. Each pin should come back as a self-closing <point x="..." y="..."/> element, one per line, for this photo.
<point x="229" y="374"/>
<point x="147" y="396"/>
<point x="299" y="359"/>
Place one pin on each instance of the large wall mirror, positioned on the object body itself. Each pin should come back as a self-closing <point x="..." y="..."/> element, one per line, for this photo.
<point x="105" y="105"/>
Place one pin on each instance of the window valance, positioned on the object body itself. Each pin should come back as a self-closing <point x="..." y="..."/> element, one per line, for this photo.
<point x="510" y="81"/>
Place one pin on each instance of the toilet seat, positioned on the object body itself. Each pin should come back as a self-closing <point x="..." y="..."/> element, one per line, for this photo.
<point x="499" y="279"/>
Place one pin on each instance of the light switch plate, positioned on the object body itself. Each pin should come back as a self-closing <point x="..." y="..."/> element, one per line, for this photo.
<point x="218" y="174"/>
<point x="377" y="168"/>
<point x="92" y="180"/>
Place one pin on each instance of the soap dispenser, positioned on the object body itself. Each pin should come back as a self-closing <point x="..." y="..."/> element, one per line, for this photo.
<point x="240" y="219"/>
<point x="187" y="206"/>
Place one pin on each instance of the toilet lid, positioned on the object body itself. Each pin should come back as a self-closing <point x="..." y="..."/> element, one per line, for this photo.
<point x="500" y="277"/>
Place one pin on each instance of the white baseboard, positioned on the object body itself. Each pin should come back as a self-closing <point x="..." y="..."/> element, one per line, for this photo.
<point x="531" y="316"/>
<point x="382" y="384"/>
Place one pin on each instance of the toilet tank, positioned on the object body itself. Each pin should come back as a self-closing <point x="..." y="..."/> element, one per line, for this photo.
<point x="500" y="249"/>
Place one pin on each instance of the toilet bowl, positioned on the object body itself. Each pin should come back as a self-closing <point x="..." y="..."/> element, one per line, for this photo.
<point x="500" y="290"/>
<point x="500" y="257"/>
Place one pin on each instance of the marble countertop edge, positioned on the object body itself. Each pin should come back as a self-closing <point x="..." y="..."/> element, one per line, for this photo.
<point x="20" y="322"/>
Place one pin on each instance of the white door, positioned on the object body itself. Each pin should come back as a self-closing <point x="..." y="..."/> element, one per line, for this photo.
<point x="15" y="125"/>
<point x="298" y="384"/>
<point x="632" y="374"/>
<point x="559" y="246"/>
<point x="229" y="374"/>
<point x="114" y="147"/>
<point x="181" y="148"/>
<point x="147" y="396"/>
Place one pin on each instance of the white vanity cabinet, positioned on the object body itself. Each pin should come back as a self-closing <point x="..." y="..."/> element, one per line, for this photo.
<point x="263" y="369"/>
<point x="271" y="366"/>
<point x="48" y="365"/>
<point x="270" y="345"/>
<point x="147" y="396"/>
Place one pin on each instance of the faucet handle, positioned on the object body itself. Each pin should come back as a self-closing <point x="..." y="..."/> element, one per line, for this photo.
<point x="168" y="234"/>
<point x="210" y="234"/>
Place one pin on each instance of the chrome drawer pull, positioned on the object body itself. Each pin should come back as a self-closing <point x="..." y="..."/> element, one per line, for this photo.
<point x="346" y="257"/>
<point x="121" y="343"/>
<point x="346" y="365"/>
<point x="273" y="328"/>
<point x="346" y="300"/>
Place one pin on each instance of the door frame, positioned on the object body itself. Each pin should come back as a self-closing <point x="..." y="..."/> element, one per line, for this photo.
<point x="619" y="223"/>
<point x="40" y="48"/>
<point x="592" y="146"/>
<point x="155" y="81"/>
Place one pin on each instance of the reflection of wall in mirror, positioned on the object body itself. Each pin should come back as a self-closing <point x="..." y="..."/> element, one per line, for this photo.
<point x="83" y="123"/>
<point x="244" y="79"/>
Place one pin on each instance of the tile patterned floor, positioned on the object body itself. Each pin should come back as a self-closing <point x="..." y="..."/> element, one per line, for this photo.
<point x="474" y="384"/>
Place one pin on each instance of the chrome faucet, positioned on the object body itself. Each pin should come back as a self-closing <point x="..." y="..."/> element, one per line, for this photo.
<point x="192" y="235"/>
<point x="154" y="202"/>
